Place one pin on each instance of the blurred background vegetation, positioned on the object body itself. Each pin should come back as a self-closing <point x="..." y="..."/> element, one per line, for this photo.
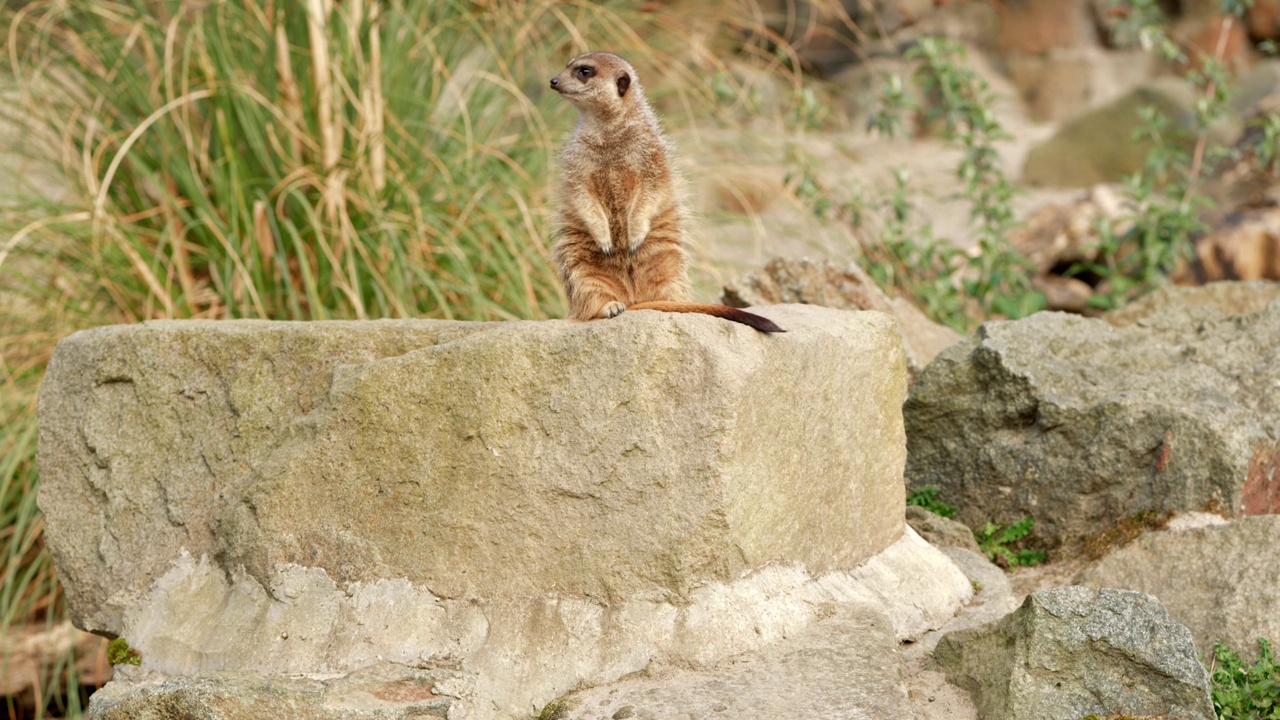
<point x="312" y="160"/>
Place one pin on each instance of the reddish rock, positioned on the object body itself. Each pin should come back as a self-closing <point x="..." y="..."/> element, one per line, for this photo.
<point x="1245" y="246"/>
<point x="1038" y="26"/>
<point x="1262" y="488"/>
<point x="1264" y="20"/>
<point x="1201" y="38"/>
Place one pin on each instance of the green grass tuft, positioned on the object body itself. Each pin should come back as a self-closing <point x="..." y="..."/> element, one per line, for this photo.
<point x="1244" y="691"/>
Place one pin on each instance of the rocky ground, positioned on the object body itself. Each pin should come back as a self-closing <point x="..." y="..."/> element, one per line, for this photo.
<point x="312" y="536"/>
<point x="1168" y="488"/>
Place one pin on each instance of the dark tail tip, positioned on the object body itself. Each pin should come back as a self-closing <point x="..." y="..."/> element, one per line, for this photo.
<point x="763" y="324"/>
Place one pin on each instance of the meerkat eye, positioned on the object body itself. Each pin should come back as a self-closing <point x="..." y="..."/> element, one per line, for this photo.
<point x="585" y="72"/>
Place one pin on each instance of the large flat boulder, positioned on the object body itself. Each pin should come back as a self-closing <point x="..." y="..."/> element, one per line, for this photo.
<point x="553" y="502"/>
<point x="1082" y="423"/>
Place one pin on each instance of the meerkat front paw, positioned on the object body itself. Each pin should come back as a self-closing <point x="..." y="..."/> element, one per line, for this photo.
<point x="613" y="309"/>
<point x="637" y="238"/>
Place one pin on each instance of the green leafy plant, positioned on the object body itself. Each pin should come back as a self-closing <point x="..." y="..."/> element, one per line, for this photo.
<point x="909" y="257"/>
<point x="927" y="498"/>
<point x="1243" y="691"/>
<point x="119" y="653"/>
<point x="954" y="287"/>
<point x="1002" y="543"/>
<point x="1136" y="252"/>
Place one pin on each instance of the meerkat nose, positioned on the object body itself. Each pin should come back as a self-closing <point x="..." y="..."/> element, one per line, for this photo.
<point x="555" y="81"/>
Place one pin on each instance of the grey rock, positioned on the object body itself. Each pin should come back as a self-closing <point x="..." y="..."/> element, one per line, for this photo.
<point x="1060" y="83"/>
<point x="1177" y="308"/>
<point x="1222" y="580"/>
<point x="940" y="531"/>
<point x="1262" y="80"/>
<point x="1081" y="424"/>
<point x="843" y="667"/>
<point x="994" y="592"/>
<point x="1245" y="179"/>
<point x="1061" y="234"/>
<point x="506" y="655"/>
<point x="843" y="43"/>
<point x="993" y="599"/>
<point x="1073" y="651"/>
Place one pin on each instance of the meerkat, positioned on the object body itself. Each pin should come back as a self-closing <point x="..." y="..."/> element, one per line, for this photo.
<point x="621" y="221"/>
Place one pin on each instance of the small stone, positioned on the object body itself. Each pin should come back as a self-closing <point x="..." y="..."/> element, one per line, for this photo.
<point x="1071" y="652"/>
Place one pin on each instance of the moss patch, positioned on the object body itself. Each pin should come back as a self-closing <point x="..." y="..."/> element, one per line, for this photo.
<point x="1124" y="532"/>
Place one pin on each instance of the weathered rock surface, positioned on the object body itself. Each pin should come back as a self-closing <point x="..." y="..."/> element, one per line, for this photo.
<point x="383" y="692"/>
<point x="547" y="503"/>
<point x="846" y="287"/>
<point x="1070" y="652"/>
<point x="1174" y="308"/>
<point x="994" y="595"/>
<point x="940" y="531"/>
<point x="1222" y="581"/>
<point x="1062" y="234"/>
<point x="843" y="667"/>
<point x="910" y="588"/>
<point x="1080" y="423"/>
<point x="474" y="459"/>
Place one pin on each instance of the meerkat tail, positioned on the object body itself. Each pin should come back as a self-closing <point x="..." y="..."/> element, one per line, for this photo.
<point x="762" y="324"/>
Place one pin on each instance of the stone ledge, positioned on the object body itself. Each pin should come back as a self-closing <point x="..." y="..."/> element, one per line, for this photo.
<point x="498" y="658"/>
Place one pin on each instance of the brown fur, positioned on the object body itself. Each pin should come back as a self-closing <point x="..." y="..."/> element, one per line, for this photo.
<point x="621" y="222"/>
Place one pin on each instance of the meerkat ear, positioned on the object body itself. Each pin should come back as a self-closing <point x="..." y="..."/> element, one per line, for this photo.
<point x="624" y="82"/>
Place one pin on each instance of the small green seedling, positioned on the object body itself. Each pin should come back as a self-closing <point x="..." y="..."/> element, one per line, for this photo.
<point x="997" y="542"/>
<point x="119" y="653"/>
<point x="927" y="498"/>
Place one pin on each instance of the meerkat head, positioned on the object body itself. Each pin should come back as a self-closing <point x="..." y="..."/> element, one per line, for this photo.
<point x="598" y="83"/>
